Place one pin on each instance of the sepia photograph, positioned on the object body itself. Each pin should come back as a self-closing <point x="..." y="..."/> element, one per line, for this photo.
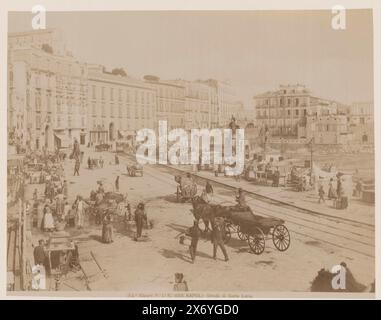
<point x="190" y="153"/>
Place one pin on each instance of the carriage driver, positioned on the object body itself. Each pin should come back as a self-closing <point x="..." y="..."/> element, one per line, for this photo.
<point x="240" y="199"/>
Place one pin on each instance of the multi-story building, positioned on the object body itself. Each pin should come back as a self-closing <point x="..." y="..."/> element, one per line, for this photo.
<point x="55" y="99"/>
<point x="328" y="129"/>
<point x="197" y="105"/>
<point x="170" y="101"/>
<point x="224" y="102"/>
<point x="361" y="122"/>
<point x="48" y="39"/>
<point x="47" y="92"/>
<point x="284" y="112"/>
<point x="361" y="112"/>
<point x="118" y="105"/>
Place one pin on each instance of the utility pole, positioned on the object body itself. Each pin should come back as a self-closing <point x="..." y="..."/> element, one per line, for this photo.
<point x="312" y="150"/>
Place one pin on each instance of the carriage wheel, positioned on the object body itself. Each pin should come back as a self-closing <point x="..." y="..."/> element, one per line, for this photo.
<point x="257" y="241"/>
<point x="228" y="233"/>
<point x="240" y="234"/>
<point x="281" y="237"/>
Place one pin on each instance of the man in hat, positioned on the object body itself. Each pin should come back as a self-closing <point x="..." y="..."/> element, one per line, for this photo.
<point x="194" y="232"/>
<point x="100" y="187"/>
<point x="240" y="198"/>
<point x="65" y="189"/>
<point x="117" y="184"/>
<point x="39" y="253"/>
<point x="140" y="217"/>
<point x="218" y="233"/>
<point x="76" y="166"/>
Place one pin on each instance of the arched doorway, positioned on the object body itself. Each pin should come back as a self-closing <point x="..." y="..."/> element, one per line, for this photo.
<point x="111" y="131"/>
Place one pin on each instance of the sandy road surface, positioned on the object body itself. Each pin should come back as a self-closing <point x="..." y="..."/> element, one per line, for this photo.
<point x="316" y="242"/>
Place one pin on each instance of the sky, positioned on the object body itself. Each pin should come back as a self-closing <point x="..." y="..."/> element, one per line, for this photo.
<point x="255" y="51"/>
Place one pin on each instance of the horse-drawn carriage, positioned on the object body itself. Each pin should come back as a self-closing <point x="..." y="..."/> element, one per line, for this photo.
<point x="186" y="189"/>
<point x="135" y="169"/>
<point x="256" y="230"/>
<point x="248" y="226"/>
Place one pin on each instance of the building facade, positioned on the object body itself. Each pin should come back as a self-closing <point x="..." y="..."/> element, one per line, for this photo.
<point x="197" y="105"/>
<point x="46" y="92"/>
<point x="328" y="129"/>
<point x="361" y="122"/>
<point x="170" y="101"/>
<point x="53" y="99"/>
<point x="284" y="112"/>
<point x="118" y="105"/>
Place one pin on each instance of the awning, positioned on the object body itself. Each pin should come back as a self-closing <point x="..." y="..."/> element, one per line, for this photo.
<point x="64" y="140"/>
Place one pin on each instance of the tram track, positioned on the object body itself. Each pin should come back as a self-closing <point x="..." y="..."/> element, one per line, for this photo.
<point x="310" y="225"/>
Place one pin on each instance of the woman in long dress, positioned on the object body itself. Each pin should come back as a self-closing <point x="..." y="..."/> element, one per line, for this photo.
<point x="48" y="219"/>
<point x="331" y="191"/>
<point x="107" y="230"/>
<point x="80" y="213"/>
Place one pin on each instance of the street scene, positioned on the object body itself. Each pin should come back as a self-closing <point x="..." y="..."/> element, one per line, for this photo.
<point x="86" y="214"/>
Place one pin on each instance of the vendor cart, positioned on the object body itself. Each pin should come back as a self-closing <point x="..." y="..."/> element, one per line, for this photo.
<point x="62" y="254"/>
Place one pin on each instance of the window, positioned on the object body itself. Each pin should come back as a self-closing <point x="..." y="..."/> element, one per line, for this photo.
<point x="27" y="99"/>
<point x="48" y="102"/>
<point x="83" y="122"/>
<point x="103" y="93"/>
<point x="38" y="121"/>
<point x="297" y="102"/>
<point x="103" y="110"/>
<point x="120" y="95"/>
<point x="93" y="92"/>
<point x="94" y="109"/>
<point x="59" y="121"/>
<point x="288" y="112"/>
<point x="120" y="111"/>
<point x="111" y="94"/>
<point x="38" y="102"/>
<point x="128" y="111"/>
<point x="127" y="96"/>
<point x="296" y="112"/>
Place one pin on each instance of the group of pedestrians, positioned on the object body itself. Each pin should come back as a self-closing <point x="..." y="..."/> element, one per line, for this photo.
<point x="217" y="238"/>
